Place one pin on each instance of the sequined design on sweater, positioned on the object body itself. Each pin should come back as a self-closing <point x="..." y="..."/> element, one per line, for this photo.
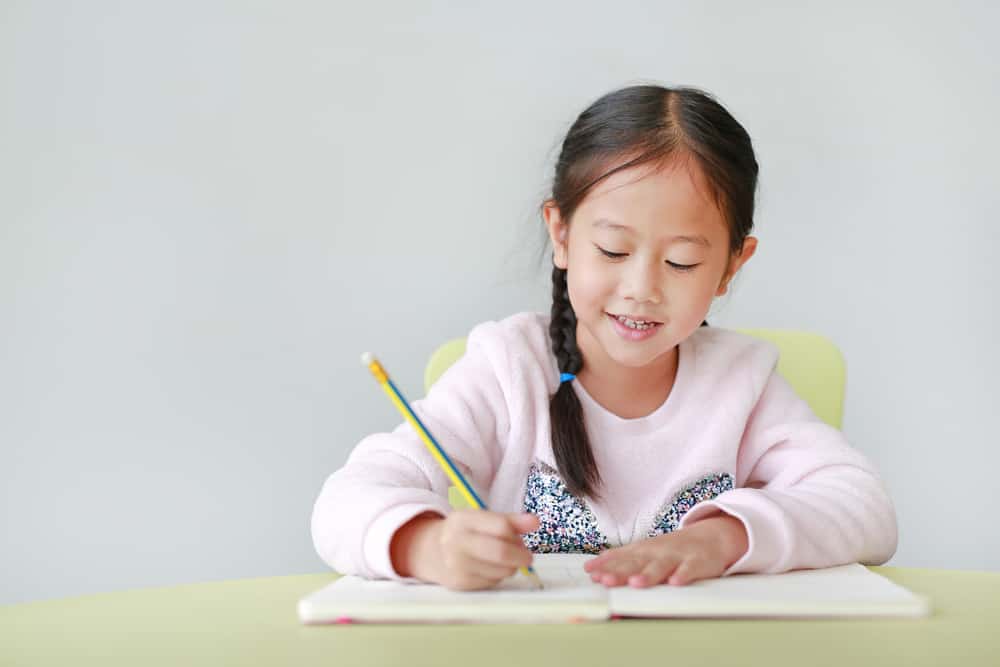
<point x="566" y="524"/>
<point x="707" y="488"/>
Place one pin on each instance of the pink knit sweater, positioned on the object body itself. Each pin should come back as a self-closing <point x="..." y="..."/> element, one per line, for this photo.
<point x="732" y="435"/>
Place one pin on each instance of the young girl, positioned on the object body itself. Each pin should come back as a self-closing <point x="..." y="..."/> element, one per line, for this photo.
<point x="621" y="425"/>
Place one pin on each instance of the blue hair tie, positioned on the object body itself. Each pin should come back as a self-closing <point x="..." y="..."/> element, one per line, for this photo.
<point x="566" y="377"/>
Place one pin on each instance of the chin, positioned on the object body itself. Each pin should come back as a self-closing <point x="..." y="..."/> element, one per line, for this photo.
<point x="635" y="358"/>
<point x="636" y="361"/>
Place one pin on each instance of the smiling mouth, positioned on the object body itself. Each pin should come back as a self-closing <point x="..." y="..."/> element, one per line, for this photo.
<point x="639" y="324"/>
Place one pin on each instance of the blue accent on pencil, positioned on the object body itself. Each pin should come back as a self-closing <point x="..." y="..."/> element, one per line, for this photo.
<point x="478" y="504"/>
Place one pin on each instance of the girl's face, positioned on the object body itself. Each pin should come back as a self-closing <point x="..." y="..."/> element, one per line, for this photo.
<point x="646" y="253"/>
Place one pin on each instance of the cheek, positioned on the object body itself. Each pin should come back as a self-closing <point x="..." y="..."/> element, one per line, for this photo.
<point x="705" y="290"/>
<point x="589" y="284"/>
<point x="701" y="295"/>
<point x="690" y="297"/>
<point x="701" y="285"/>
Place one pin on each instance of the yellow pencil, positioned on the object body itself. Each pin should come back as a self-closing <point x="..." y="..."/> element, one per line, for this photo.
<point x="436" y="450"/>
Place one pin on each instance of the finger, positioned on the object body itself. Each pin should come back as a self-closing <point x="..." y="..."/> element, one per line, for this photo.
<point x="690" y="571"/>
<point x="656" y="572"/>
<point x="613" y="571"/>
<point x="624" y="565"/>
<point x="468" y="581"/>
<point x="605" y="558"/>
<point x="597" y="561"/>
<point x="524" y="522"/>
<point x="611" y="579"/>
<point x="486" y="523"/>
<point x="474" y="567"/>
<point x="505" y="526"/>
<point x="496" y="551"/>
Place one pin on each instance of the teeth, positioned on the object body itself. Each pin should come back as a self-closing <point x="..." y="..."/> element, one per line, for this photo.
<point x="635" y="324"/>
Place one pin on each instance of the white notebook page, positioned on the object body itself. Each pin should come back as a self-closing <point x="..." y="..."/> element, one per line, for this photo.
<point x="568" y="595"/>
<point x="845" y="591"/>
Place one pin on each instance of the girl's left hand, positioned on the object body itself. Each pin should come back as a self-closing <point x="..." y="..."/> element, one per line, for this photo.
<point x="703" y="550"/>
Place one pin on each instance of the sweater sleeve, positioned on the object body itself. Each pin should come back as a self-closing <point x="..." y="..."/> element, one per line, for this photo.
<point x="806" y="498"/>
<point x="389" y="478"/>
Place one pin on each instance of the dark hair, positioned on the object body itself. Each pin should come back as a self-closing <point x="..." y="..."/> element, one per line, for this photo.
<point x="623" y="129"/>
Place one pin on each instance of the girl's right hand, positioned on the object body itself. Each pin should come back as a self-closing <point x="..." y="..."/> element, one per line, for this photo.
<point x="467" y="550"/>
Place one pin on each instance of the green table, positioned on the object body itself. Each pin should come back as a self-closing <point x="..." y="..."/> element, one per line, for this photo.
<point x="253" y="622"/>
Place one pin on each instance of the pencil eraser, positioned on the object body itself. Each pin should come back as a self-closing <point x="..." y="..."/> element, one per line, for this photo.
<point x="366" y="358"/>
<point x="344" y="620"/>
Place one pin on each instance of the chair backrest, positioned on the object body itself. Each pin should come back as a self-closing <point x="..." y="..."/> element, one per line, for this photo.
<point x="811" y="363"/>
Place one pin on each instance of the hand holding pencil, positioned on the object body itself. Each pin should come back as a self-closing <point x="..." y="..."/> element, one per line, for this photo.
<point x="468" y="549"/>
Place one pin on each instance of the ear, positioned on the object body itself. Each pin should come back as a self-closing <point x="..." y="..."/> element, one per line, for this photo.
<point x="558" y="233"/>
<point x="736" y="261"/>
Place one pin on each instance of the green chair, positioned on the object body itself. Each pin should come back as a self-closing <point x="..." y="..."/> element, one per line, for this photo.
<point x="811" y="363"/>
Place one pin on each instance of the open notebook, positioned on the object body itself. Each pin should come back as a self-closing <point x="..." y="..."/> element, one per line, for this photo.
<point x="569" y="595"/>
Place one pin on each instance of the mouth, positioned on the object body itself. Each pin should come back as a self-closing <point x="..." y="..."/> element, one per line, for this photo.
<point x="635" y="322"/>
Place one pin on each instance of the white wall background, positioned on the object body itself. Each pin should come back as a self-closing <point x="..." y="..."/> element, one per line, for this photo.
<point x="209" y="209"/>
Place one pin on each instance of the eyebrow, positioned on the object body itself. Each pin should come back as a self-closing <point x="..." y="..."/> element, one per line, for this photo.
<point x="617" y="226"/>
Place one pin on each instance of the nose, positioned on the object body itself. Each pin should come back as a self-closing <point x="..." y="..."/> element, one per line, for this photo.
<point x="643" y="281"/>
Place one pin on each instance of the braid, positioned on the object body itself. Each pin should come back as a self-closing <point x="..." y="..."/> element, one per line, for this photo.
<point x="570" y="444"/>
<point x="562" y="327"/>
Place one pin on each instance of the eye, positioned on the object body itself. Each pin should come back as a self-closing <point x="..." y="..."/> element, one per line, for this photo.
<point x="681" y="267"/>
<point x="611" y="255"/>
